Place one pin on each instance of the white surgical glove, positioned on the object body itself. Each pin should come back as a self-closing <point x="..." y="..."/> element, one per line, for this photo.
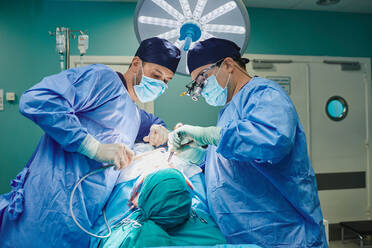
<point x="158" y="135"/>
<point x="118" y="154"/>
<point x="202" y="136"/>
<point x="191" y="154"/>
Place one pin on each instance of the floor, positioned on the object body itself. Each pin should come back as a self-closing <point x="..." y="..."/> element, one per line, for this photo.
<point x="348" y="244"/>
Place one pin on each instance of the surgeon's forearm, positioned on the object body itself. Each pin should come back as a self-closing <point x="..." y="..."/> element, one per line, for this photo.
<point x="89" y="146"/>
<point x="54" y="114"/>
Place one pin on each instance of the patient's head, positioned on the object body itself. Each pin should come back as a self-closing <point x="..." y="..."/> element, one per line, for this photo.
<point x="165" y="198"/>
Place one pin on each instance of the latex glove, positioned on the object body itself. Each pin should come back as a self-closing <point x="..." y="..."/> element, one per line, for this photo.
<point x="200" y="135"/>
<point x="158" y="135"/>
<point x="118" y="154"/>
<point x="191" y="154"/>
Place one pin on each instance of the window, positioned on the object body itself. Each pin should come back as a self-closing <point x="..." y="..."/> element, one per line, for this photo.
<point x="336" y="108"/>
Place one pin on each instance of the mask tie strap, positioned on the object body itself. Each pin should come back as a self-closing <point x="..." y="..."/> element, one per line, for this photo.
<point x="228" y="80"/>
<point x="220" y="68"/>
<point x="135" y="75"/>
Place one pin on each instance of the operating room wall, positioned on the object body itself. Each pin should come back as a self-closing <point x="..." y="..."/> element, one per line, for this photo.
<point x="27" y="54"/>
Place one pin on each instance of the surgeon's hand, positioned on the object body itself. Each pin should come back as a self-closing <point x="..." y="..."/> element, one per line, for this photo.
<point x="191" y="154"/>
<point x="118" y="154"/>
<point x="201" y="136"/>
<point x="158" y="135"/>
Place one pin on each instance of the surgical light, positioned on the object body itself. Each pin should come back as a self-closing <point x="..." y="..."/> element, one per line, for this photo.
<point x="184" y="22"/>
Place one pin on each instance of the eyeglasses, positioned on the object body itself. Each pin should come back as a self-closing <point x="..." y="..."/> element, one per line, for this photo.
<point x="195" y="87"/>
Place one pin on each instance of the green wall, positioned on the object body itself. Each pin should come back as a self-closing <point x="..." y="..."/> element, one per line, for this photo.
<point x="27" y="54"/>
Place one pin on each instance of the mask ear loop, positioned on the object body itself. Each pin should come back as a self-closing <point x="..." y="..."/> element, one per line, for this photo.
<point x="228" y="79"/>
<point x="143" y="73"/>
<point x="135" y="75"/>
<point x="135" y="78"/>
<point x="219" y="68"/>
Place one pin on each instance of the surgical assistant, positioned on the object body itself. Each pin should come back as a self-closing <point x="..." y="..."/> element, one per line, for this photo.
<point x="261" y="188"/>
<point x="89" y="118"/>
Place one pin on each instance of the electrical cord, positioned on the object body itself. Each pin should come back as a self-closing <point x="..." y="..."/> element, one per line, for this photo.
<point x="103" y="211"/>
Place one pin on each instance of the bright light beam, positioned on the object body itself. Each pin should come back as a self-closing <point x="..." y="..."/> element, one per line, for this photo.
<point x="224" y="28"/>
<point x="170" y="34"/>
<point x="169" y="9"/>
<point x="158" y="21"/>
<point x="186" y="8"/>
<point x="206" y="35"/>
<point x="218" y="12"/>
<point x="199" y="8"/>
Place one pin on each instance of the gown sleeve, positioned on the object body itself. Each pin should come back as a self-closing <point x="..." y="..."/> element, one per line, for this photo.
<point x="264" y="133"/>
<point x="54" y="103"/>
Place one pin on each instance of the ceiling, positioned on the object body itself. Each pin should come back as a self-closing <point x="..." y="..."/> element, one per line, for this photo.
<point x="355" y="6"/>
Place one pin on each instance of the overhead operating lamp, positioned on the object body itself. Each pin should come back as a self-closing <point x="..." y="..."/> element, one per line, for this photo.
<point x="184" y="22"/>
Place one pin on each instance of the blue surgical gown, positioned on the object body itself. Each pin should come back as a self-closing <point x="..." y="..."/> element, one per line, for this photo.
<point x="261" y="188"/>
<point x="68" y="106"/>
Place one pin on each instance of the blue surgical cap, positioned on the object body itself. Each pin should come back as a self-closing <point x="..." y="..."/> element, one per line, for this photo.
<point x="159" y="51"/>
<point x="210" y="51"/>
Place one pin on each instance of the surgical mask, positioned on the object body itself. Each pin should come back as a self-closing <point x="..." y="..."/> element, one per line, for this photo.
<point x="149" y="88"/>
<point x="213" y="93"/>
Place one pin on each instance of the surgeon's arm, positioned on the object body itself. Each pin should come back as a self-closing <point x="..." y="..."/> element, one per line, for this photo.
<point x="54" y="103"/>
<point x="51" y="105"/>
<point x="266" y="132"/>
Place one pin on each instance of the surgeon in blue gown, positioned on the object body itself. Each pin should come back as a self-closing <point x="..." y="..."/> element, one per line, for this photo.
<point x="90" y="118"/>
<point x="261" y="188"/>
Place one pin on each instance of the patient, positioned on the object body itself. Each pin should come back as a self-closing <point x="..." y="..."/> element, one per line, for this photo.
<point x="162" y="216"/>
